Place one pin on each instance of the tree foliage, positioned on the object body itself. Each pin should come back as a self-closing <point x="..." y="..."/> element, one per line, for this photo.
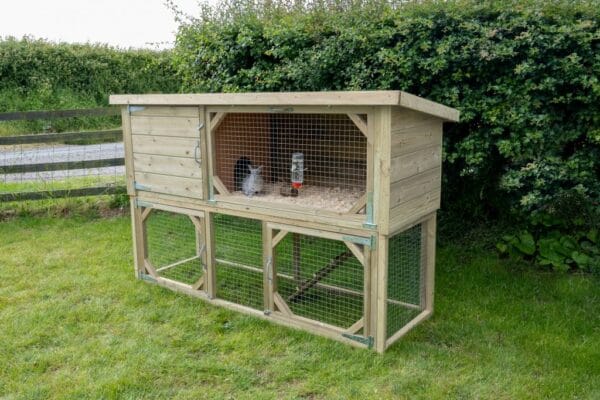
<point x="524" y="75"/>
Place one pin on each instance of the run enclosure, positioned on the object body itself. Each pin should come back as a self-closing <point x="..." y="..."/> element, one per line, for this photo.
<point x="348" y="252"/>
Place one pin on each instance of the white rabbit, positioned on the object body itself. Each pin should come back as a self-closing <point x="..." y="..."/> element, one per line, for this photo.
<point x="253" y="183"/>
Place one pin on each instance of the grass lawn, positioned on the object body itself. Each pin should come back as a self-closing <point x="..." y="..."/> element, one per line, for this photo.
<point x="74" y="323"/>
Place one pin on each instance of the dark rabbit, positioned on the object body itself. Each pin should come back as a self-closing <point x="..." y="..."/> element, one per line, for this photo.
<point x="240" y="172"/>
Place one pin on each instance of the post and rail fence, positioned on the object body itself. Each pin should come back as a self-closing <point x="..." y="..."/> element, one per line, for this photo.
<point x="57" y="165"/>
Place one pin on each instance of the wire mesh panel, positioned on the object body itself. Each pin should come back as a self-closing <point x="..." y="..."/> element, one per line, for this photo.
<point x="239" y="254"/>
<point x="174" y="246"/>
<point x="405" y="276"/>
<point x="311" y="160"/>
<point x="320" y="279"/>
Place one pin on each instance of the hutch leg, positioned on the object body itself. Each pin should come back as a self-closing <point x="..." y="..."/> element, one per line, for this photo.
<point x="210" y="281"/>
<point x="268" y="266"/>
<point x="381" y="283"/>
<point x="429" y="228"/>
<point x="138" y="231"/>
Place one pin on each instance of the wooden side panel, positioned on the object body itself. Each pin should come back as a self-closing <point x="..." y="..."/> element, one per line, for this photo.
<point x="178" y="186"/>
<point x="166" y="149"/>
<point x="416" y="145"/>
<point x="165" y="126"/>
<point x="128" y="146"/>
<point x="415" y="186"/>
<point x="164" y="146"/>
<point x="175" y="166"/>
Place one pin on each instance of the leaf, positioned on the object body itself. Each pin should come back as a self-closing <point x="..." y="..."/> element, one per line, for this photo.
<point x="592" y="235"/>
<point x="582" y="260"/>
<point x="525" y="243"/>
<point x="502" y="247"/>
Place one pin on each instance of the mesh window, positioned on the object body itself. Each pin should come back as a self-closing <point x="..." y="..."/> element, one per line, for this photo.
<point x="332" y="149"/>
<point x="239" y="254"/>
<point x="173" y="246"/>
<point x="320" y="279"/>
<point x="405" y="265"/>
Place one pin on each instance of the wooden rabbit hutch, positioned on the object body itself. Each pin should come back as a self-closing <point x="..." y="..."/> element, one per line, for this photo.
<point x="312" y="210"/>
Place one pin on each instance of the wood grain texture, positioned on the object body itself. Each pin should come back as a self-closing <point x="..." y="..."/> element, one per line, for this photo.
<point x="414" y="163"/>
<point x="415" y="186"/>
<point x="164" y="146"/>
<point x="167" y="165"/>
<point x="178" y="186"/>
<point x="346" y="98"/>
<point x="165" y="126"/>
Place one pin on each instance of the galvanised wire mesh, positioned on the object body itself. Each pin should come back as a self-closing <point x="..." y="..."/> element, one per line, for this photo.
<point x="323" y="154"/>
<point x="320" y="279"/>
<point x="405" y="278"/>
<point x="239" y="255"/>
<point x="174" y="249"/>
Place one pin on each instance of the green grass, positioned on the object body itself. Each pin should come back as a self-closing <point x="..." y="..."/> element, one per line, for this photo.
<point x="74" y="323"/>
<point x="69" y="183"/>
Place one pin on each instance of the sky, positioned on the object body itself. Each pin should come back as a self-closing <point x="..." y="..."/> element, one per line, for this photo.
<point x="121" y="23"/>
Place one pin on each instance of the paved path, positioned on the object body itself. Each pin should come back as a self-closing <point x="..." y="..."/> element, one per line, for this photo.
<point x="59" y="153"/>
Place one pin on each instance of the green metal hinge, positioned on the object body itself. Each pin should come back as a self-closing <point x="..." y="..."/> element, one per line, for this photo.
<point x="369" y="223"/>
<point x="211" y="191"/>
<point x="132" y="109"/>
<point x="370" y="241"/>
<point x="368" y="341"/>
<point x="146" y="277"/>
<point x="141" y="203"/>
<point x="138" y="186"/>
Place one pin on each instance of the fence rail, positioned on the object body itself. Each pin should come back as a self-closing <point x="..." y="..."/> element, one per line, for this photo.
<point x="116" y="134"/>
<point x="33" y="115"/>
<point x="39" y="159"/>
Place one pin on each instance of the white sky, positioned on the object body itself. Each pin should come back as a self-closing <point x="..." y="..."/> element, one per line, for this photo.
<point x="122" y="23"/>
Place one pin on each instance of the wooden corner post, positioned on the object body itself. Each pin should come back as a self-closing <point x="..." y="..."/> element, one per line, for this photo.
<point x="210" y="282"/>
<point x="428" y="234"/>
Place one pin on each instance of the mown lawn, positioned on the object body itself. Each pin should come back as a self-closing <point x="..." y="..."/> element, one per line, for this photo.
<point x="74" y="323"/>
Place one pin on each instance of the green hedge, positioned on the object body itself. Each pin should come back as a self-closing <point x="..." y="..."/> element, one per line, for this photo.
<point x="524" y="75"/>
<point x="35" y="74"/>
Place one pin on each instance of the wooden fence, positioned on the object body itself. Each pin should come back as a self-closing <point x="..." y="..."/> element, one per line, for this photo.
<point x="115" y="135"/>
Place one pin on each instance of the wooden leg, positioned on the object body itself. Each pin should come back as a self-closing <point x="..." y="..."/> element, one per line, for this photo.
<point x="382" y="272"/>
<point x="210" y="272"/>
<point x="138" y="229"/>
<point x="429" y="228"/>
<point x="269" y="287"/>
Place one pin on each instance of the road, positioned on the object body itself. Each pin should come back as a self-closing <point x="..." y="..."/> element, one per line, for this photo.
<point x="15" y="155"/>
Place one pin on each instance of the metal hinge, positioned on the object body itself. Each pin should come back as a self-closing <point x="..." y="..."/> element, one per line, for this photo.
<point x="281" y="109"/>
<point x="368" y="341"/>
<point x="200" y="254"/>
<point x="142" y="204"/>
<point x="132" y="109"/>
<point x="270" y="268"/>
<point x="211" y="191"/>
<point x="370" y="241"/>
<point x="369" y="223"/>
<point x="146" y="277"/>
<point x="138" y="186"/>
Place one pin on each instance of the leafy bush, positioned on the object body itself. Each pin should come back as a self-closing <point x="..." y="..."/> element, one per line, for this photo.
<point x="565" y="236"/>
<point x="36" y="74"/>
<point x="523" y="73"/>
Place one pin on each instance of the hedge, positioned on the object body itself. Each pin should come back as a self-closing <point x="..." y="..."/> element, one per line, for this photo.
<point x="34" y="71"/>
<point x="524" y="75"/>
